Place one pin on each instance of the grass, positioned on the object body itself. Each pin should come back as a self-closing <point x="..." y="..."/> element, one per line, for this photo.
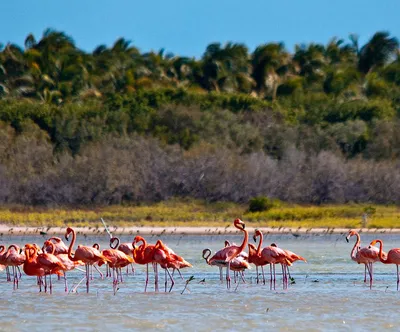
<point x="175" y="213"/>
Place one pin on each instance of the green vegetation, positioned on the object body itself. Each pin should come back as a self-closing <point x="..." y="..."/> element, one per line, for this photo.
<point x="199" y="213"/>
<point x="117" y="126"/>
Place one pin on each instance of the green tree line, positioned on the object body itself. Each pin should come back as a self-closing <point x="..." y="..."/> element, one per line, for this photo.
<point x="336" y="104"/>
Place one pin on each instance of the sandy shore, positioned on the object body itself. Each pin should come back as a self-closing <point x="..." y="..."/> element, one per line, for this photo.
<point x="7" y="230"/>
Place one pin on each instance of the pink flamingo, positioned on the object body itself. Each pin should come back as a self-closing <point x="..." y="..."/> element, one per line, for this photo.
<point x="58" y="245"/>
<point x="392" y="257"/>
<point x="88" y="255"/>
<point x="126" y="248"/>
<point x="63" y="258"/>
<point x="273" y="255"/>
<point x="291" y="257"/>
<point x="227" y="254"/>
<point x="367" y="256"/>
<point x="13" y="258"/>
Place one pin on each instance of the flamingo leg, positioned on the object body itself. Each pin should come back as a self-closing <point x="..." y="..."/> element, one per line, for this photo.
<point x="65" y="282"/>
<point x="270" y="272"/>
<point x="97" y="269"/>
<point x="45" y="283"/>
<point x="8" y="273"/>
<point x="155" y="277"/>
<point x="165" y="277"/>
<point x="133" y="268"/>
<point x="228" y="276"/>
<point x="147" y="277"/>
<point x="242" y="277"/>
<point x="237" y="284"/>
<point x="262" y="270"/>
<point x="371" y="275"/>
<point x="172" y="280"/>
<point x="87" y="277"/>
<point x="365" y="272"/>
<point x="397" y="267"/>
<point x="273" y="266"/>
<point x="19" y="271"/>
<point x="283" y="276"/>
<point x="180" y="274"/>
<point x="51" y="285"/>
<point x="91" y="272"/>
<point x="220" y="273"/>
<point x="257" y="273"/>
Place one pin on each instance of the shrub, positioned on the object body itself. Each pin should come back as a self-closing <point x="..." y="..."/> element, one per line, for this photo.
<point x="261" y="203"/>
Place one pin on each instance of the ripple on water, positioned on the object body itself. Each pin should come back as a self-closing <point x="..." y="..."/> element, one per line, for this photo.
<point x="328" y="295"/>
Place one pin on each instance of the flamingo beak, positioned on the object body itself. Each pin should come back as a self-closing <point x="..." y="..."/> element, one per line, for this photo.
<point x="244" y="226"/>
<point x="254" y="238"/>
<point x="66" y="237"/>
<point x="347" y="239"/>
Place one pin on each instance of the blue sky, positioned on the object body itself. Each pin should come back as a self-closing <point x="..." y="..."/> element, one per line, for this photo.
<point x="187" y="27"/>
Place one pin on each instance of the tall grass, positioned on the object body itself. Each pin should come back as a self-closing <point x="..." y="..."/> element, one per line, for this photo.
<point x="199" y="213"/>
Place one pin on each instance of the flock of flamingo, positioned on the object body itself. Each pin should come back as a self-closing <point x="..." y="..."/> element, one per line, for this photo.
<point x="56" y="258"/>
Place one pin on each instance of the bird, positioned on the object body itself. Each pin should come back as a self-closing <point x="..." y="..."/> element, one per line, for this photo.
<point x="126" y="248"/>
<point x="14" y="258"/>
<point x="117" y="259"/>
<point x="291" y="257"/>
<point x="392" y="257"/>
<point x="31" y="267"/>
<point x="88" y="255"/>
<point x="59" y="246"/>
<point x="69" y="265"/>
<point x="272" y="255"/>
<point x="143" y="255"/>
<point x="227" y="254"/>
<point x="366" y="255"/>
<point x="50" y="264"/>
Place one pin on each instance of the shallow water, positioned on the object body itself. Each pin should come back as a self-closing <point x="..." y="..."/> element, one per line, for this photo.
<point x="328" y="294"/>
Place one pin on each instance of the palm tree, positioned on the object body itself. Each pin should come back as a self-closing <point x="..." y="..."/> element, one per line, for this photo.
<point x="310" y="62"/>
<point x="226" y="68"/>
<point x="271" y="62"/>
<point x="377" y="52"/>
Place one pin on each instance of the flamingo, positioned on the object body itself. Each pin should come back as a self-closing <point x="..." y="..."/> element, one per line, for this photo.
<point x="58" y="245"/>
<point x="14" y="258"/>
<point x="117" y="259"/>
<point x="50" y="264"/>
<point x="69" y="265"/>
<point x="3" y="262"/>
<point x="367" y="256"/>
<point x="175" y="261"/>
<point x="227" y="254"/>
<point x="256" y="259"/>
<point x="392" y="257"/>
<point x="272" y="255"/>
<point x="88" y="255"/>
<point x="31" y="266"/>
<point x="291" y="257"/>
<point x="143" y="254"/>
<point x="126" y="248"/>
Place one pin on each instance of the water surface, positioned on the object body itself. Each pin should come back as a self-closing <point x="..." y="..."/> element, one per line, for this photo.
<point x="328" y="294"/>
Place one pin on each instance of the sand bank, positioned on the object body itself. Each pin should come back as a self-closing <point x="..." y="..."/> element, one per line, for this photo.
<point x="8" y="230"/>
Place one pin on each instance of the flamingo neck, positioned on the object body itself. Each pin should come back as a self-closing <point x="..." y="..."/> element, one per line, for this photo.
<point x="71" y="246"/>
<point x="355" y="248"/>
<point x="245" y="239"/>
<point x="260" y="244"/>
<point x="115" y="239"/>
<point x="51" y="244"/>
<point x="207" y="257"/>
<point x="13" y="246"/>
<point x="380" y="254"/>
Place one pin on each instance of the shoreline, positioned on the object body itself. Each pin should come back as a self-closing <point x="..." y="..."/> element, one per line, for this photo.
<point x="146" y="230"/>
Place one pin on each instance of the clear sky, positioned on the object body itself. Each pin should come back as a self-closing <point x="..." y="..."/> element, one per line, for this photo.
<point x="186" y="27"/>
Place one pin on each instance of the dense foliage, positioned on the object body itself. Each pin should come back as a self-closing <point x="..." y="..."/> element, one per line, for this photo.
<point x="116" y="125"/>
